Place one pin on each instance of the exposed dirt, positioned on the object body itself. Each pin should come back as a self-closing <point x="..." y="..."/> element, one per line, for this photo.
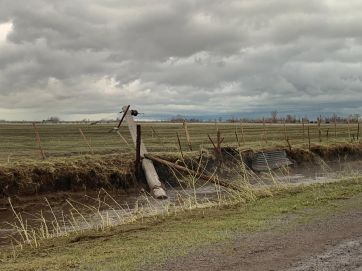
<point x="334" y="243"/>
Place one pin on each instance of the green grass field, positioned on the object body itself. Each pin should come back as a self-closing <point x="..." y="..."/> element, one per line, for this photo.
<point x="18" y="142"/>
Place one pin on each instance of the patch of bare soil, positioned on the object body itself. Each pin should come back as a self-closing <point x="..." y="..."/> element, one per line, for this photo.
<point x="345" y="256"/>
<point x="333" y="243"/>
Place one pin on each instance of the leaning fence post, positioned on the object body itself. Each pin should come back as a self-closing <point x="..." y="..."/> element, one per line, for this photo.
<point x="38" y="141"/>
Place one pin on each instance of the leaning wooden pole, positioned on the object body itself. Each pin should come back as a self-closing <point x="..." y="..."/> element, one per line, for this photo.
<point x="153" y="181"/>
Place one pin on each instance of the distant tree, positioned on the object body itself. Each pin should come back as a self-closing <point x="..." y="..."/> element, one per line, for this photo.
<point x="290" y="119"/>
<point x="305" y="119"/>
<point x="334" y="117"/>
<point x="53" y="119"/>
<point x="274" y="115"/>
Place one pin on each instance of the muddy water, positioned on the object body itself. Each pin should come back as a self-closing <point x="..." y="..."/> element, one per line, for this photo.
<point x="102" y="208"/>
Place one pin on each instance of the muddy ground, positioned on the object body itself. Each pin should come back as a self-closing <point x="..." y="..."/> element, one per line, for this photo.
<point x="333" y="243"/>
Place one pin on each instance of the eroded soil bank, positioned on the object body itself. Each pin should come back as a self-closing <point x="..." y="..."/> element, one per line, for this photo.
<point x="117" y="171"/>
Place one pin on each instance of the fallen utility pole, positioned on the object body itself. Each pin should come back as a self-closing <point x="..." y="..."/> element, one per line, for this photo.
<point x="192" y="172"/>
<point x="147" y="164"/>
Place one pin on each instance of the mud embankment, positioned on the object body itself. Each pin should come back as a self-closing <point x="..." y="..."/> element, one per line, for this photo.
<point x="117" y="171"/>
<point x="86" y="173"/>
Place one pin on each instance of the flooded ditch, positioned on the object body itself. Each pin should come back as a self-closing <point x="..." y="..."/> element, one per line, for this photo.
<point x="76" y="211"/>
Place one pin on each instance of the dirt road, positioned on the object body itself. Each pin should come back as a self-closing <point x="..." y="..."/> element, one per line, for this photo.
<point x="332" y="243"/>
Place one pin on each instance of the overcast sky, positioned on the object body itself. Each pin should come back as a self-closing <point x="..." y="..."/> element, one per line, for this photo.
<point x="85" y="59"/>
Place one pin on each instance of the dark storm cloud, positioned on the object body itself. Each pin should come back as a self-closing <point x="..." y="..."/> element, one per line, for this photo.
<point x="76" y="58"/>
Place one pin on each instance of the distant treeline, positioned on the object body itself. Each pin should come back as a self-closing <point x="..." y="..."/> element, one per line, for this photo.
<point x="272" y="118"/>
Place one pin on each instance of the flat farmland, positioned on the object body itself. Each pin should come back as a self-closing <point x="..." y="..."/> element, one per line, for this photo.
<point x="18" y="141"/>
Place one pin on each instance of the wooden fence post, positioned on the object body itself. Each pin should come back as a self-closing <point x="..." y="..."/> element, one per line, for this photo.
<point x="265" y="132"/>
<point x="237" y="138"/>
<point x="308" y="138"/>
<point x="357" y="130"/>
<point x="217" y="146"/>
<point x="327" y="135"/>
<point x="289" y="145"/>
<point x="319" y="129"/>
<point x="187" y="135"/>
<point x="242" y="133"/>
<point x="179" y="145"/>
<point x="39" y="141"/>
<point x="218" y="136"/>
<point x="285" y="131"/>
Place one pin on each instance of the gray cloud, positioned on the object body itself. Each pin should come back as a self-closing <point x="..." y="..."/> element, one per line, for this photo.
<point x="86" y="58"/>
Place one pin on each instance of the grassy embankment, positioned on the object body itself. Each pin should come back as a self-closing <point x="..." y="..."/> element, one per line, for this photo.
<point x="17" y="141"/>
<point x="155" y="240"/>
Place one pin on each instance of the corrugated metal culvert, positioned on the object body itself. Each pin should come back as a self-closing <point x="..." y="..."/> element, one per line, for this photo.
<point x="270" y="160"/>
